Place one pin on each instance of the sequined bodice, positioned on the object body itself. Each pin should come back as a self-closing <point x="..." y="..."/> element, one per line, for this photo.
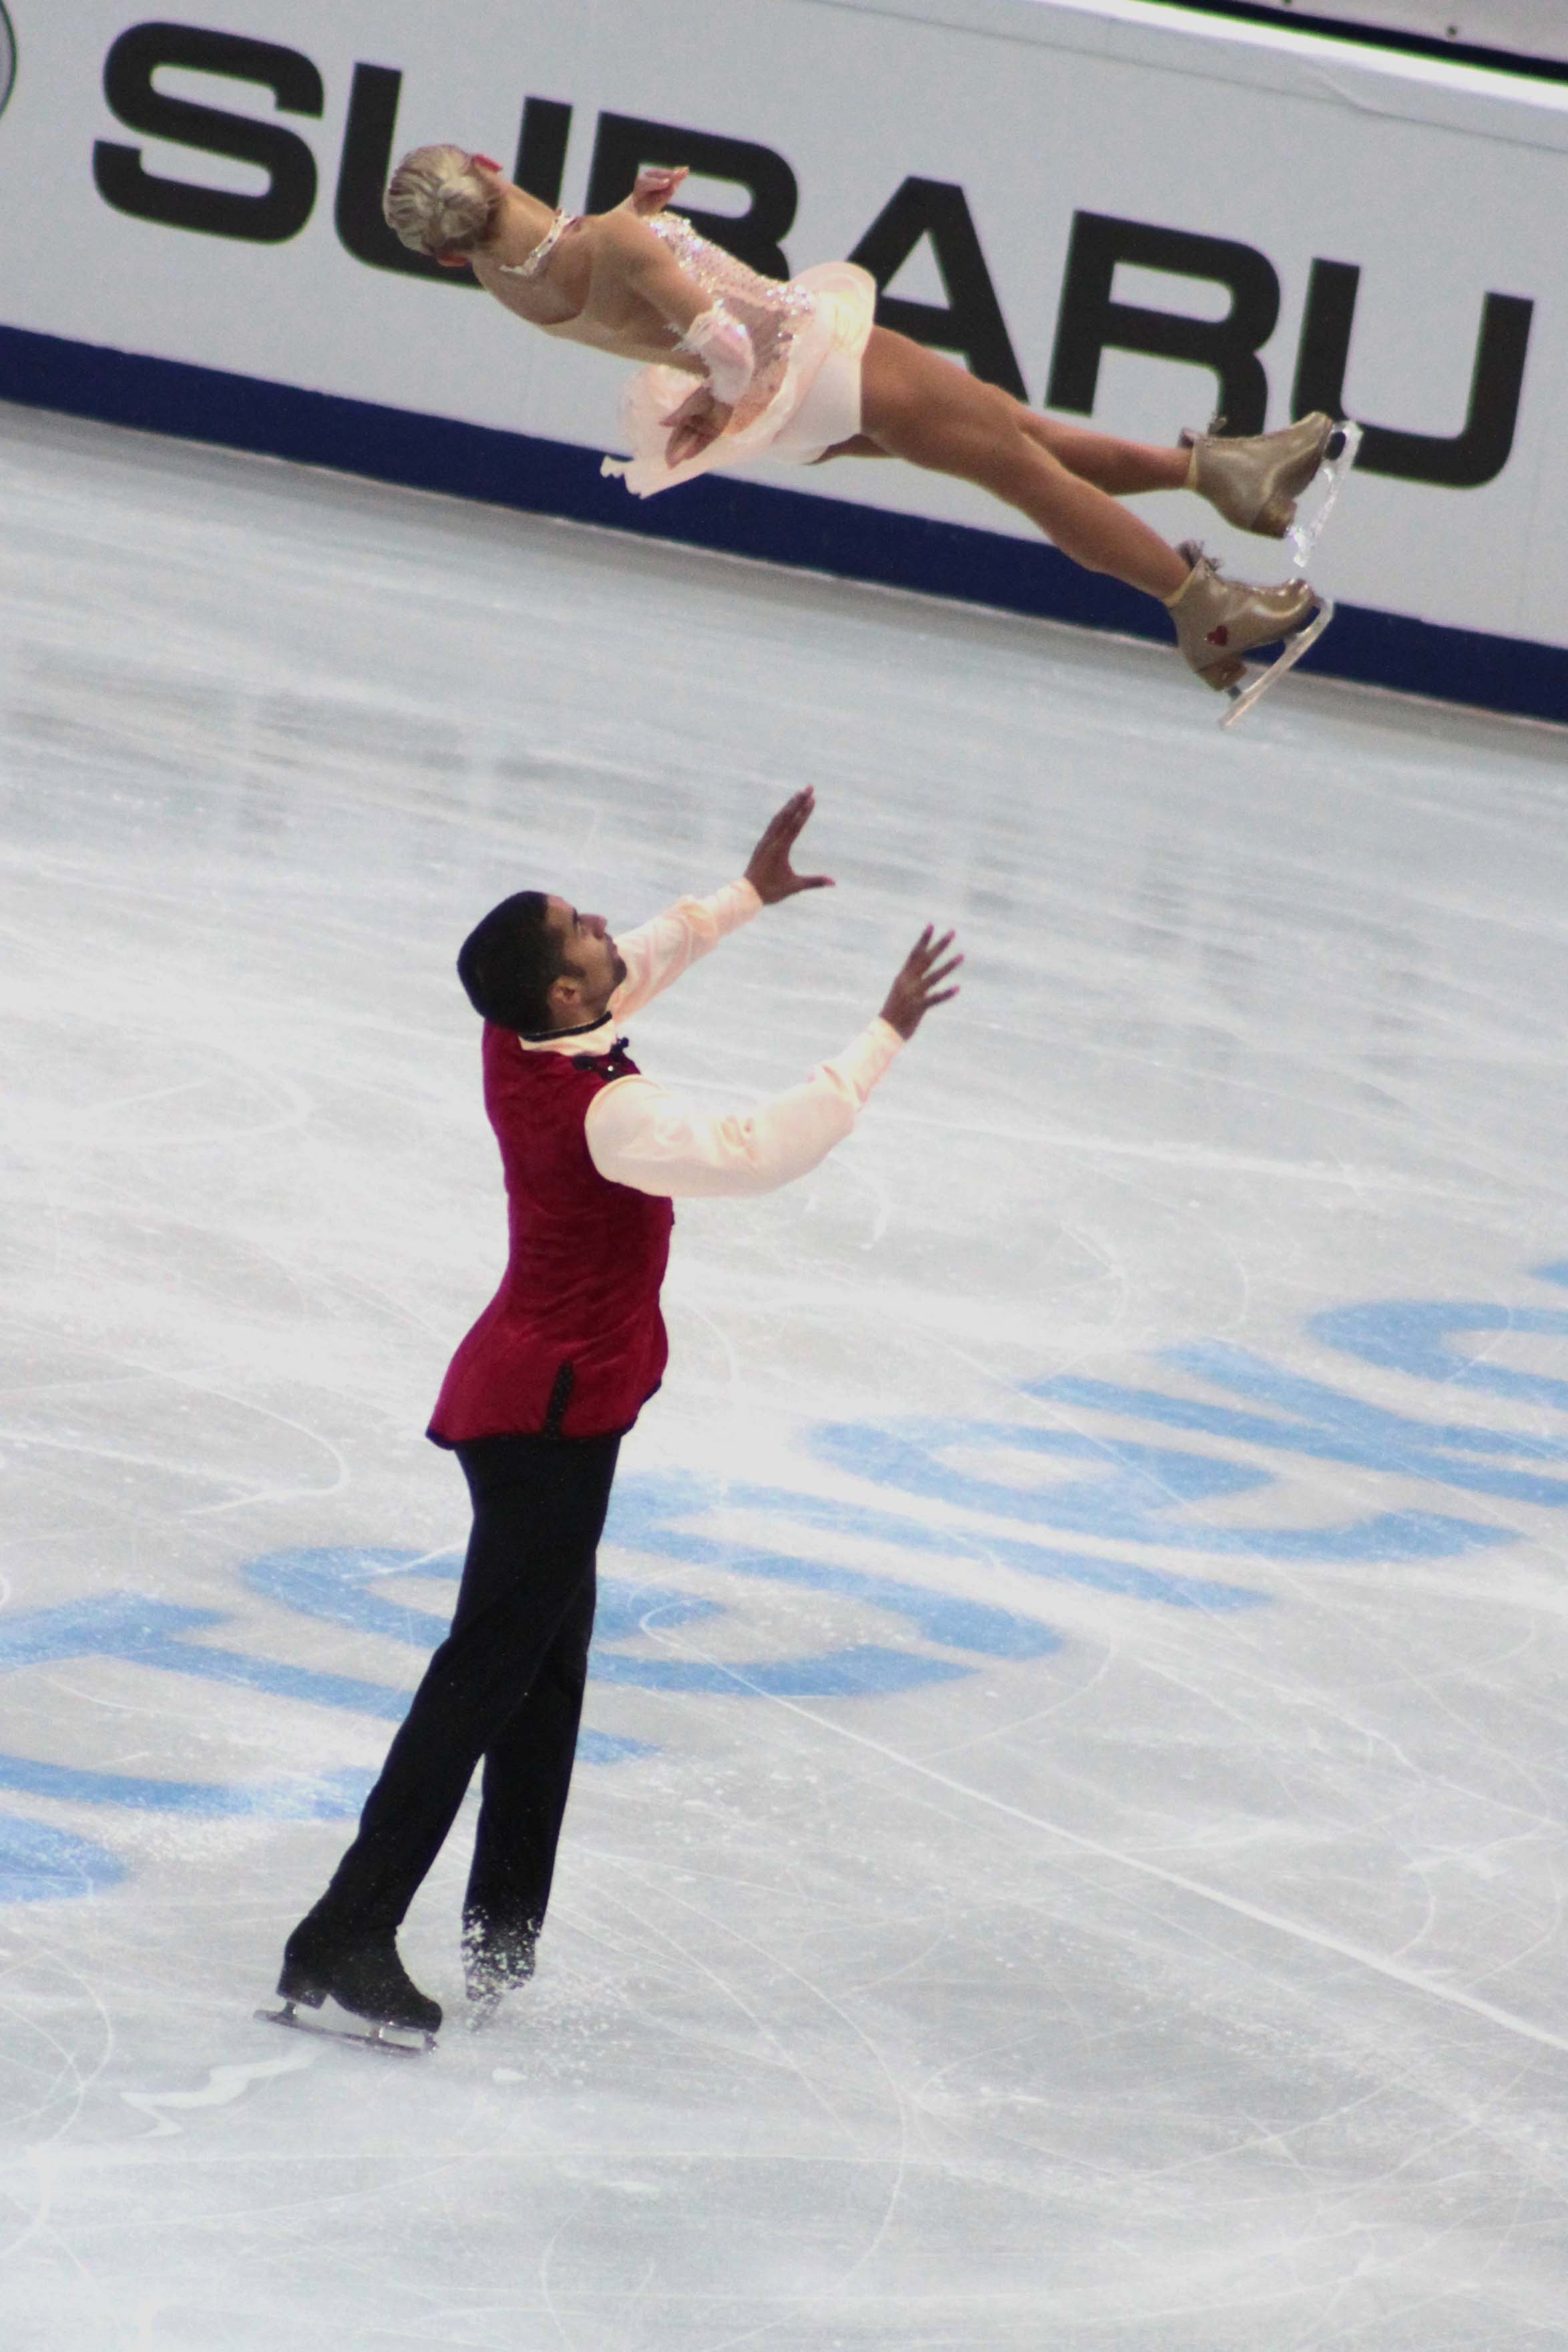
<point x="770" y="308"/>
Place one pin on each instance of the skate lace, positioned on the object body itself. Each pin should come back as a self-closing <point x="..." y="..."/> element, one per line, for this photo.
<point x="1199" y="557"/>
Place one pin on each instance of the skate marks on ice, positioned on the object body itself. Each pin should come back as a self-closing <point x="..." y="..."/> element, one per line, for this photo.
<point x="920" y="1507"/>
<point x="40" y="1863"/>
<point x="223" y="2086"/>
<point x="1114" y="2113"/>
<point x="1145" y="1492"/>
<point x="1297" y="1930"/>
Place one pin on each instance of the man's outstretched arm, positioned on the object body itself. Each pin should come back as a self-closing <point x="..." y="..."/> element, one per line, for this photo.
<point x="656" y="953"/>
<point x="642" y="1136"/>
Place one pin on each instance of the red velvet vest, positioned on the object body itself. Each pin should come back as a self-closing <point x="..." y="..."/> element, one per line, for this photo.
<point x="573" y="1344"/>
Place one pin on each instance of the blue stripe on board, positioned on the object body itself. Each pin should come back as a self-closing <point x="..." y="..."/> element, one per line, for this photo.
<point x="515" y="469"/>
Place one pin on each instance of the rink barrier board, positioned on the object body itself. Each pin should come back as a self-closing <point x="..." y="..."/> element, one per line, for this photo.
<point x="1512" y="675"/>
<point x="1366" y="30"/>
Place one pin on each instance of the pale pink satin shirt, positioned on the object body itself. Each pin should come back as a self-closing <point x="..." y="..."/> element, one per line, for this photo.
<point x="642" y="1134"/>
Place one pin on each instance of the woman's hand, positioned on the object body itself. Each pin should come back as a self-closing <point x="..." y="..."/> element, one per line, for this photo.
<point x="699" y="420"/>
<point x="656" y="182"/>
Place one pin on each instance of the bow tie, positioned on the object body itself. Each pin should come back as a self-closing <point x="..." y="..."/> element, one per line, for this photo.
<point x="615" y="1061"/>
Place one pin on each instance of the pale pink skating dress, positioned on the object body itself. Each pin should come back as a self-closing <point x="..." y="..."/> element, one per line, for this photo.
<point x="808" y="336"/>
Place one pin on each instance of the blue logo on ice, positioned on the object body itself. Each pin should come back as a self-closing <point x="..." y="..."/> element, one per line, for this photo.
<point x="1058" y="1492"/>
<point x="8" y="58"/>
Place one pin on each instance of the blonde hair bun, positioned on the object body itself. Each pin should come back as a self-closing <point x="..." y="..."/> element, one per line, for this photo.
<point x="437" y="202"/>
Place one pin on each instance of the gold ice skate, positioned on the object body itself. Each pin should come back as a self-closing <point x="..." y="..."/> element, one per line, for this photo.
<point x="1255" y="480"/>
<point x="1219" y="622"/>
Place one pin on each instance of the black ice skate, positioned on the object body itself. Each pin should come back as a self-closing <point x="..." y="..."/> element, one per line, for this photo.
<point x="363" y="1976"/>
<point x="493" y="1966"/>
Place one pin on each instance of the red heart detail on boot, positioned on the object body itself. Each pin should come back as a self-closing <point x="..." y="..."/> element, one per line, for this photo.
<point x="1220" y="636"/>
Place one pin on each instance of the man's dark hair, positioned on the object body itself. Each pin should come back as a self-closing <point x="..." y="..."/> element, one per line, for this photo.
<point x="507" y="964"/>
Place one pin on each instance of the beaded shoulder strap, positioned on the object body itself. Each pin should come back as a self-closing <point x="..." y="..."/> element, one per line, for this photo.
<point x="539" y="260"/>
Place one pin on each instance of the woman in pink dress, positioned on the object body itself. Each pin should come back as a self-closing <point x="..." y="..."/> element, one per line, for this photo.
<point x="734" y="366"/>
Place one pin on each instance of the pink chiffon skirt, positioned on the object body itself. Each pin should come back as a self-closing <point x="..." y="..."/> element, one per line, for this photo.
<point x="816" y="406"/>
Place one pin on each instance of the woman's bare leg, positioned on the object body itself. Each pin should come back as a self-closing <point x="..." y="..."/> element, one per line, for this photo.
<point x="1120" y="467"/>
<point x="920" y="407"/>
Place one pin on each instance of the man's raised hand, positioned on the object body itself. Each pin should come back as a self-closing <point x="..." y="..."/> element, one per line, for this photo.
<point x="770" y="873"/>
<point x="919" y="984"/>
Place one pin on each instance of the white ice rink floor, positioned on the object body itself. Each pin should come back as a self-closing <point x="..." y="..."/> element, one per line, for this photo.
<point x="1069" y="1853"/>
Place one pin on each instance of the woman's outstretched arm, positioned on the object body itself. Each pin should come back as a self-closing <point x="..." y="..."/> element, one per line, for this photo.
<point x="645" y="266"/>
<point x="638" y="262"/>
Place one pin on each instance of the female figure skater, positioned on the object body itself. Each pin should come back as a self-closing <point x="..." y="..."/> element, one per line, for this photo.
<point x="737" y="366"/>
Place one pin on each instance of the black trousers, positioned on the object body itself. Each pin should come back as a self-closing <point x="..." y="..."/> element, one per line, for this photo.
<point x="506" y="1685"/>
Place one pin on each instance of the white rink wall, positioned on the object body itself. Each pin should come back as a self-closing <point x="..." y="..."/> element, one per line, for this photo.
<point x="1522" y="28"/>
<point x="1128" y="215"/>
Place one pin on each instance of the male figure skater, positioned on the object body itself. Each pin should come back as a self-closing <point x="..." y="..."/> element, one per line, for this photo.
<point x="544" y="1387"/>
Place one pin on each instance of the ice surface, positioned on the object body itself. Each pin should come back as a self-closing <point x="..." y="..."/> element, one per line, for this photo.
<point x="1070" y="1851"/>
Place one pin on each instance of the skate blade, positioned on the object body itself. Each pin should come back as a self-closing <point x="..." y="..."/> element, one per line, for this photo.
<point x="1242" y="697"/>
<point x="380" y="2038"/>
<point x="1303" y="536"/>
